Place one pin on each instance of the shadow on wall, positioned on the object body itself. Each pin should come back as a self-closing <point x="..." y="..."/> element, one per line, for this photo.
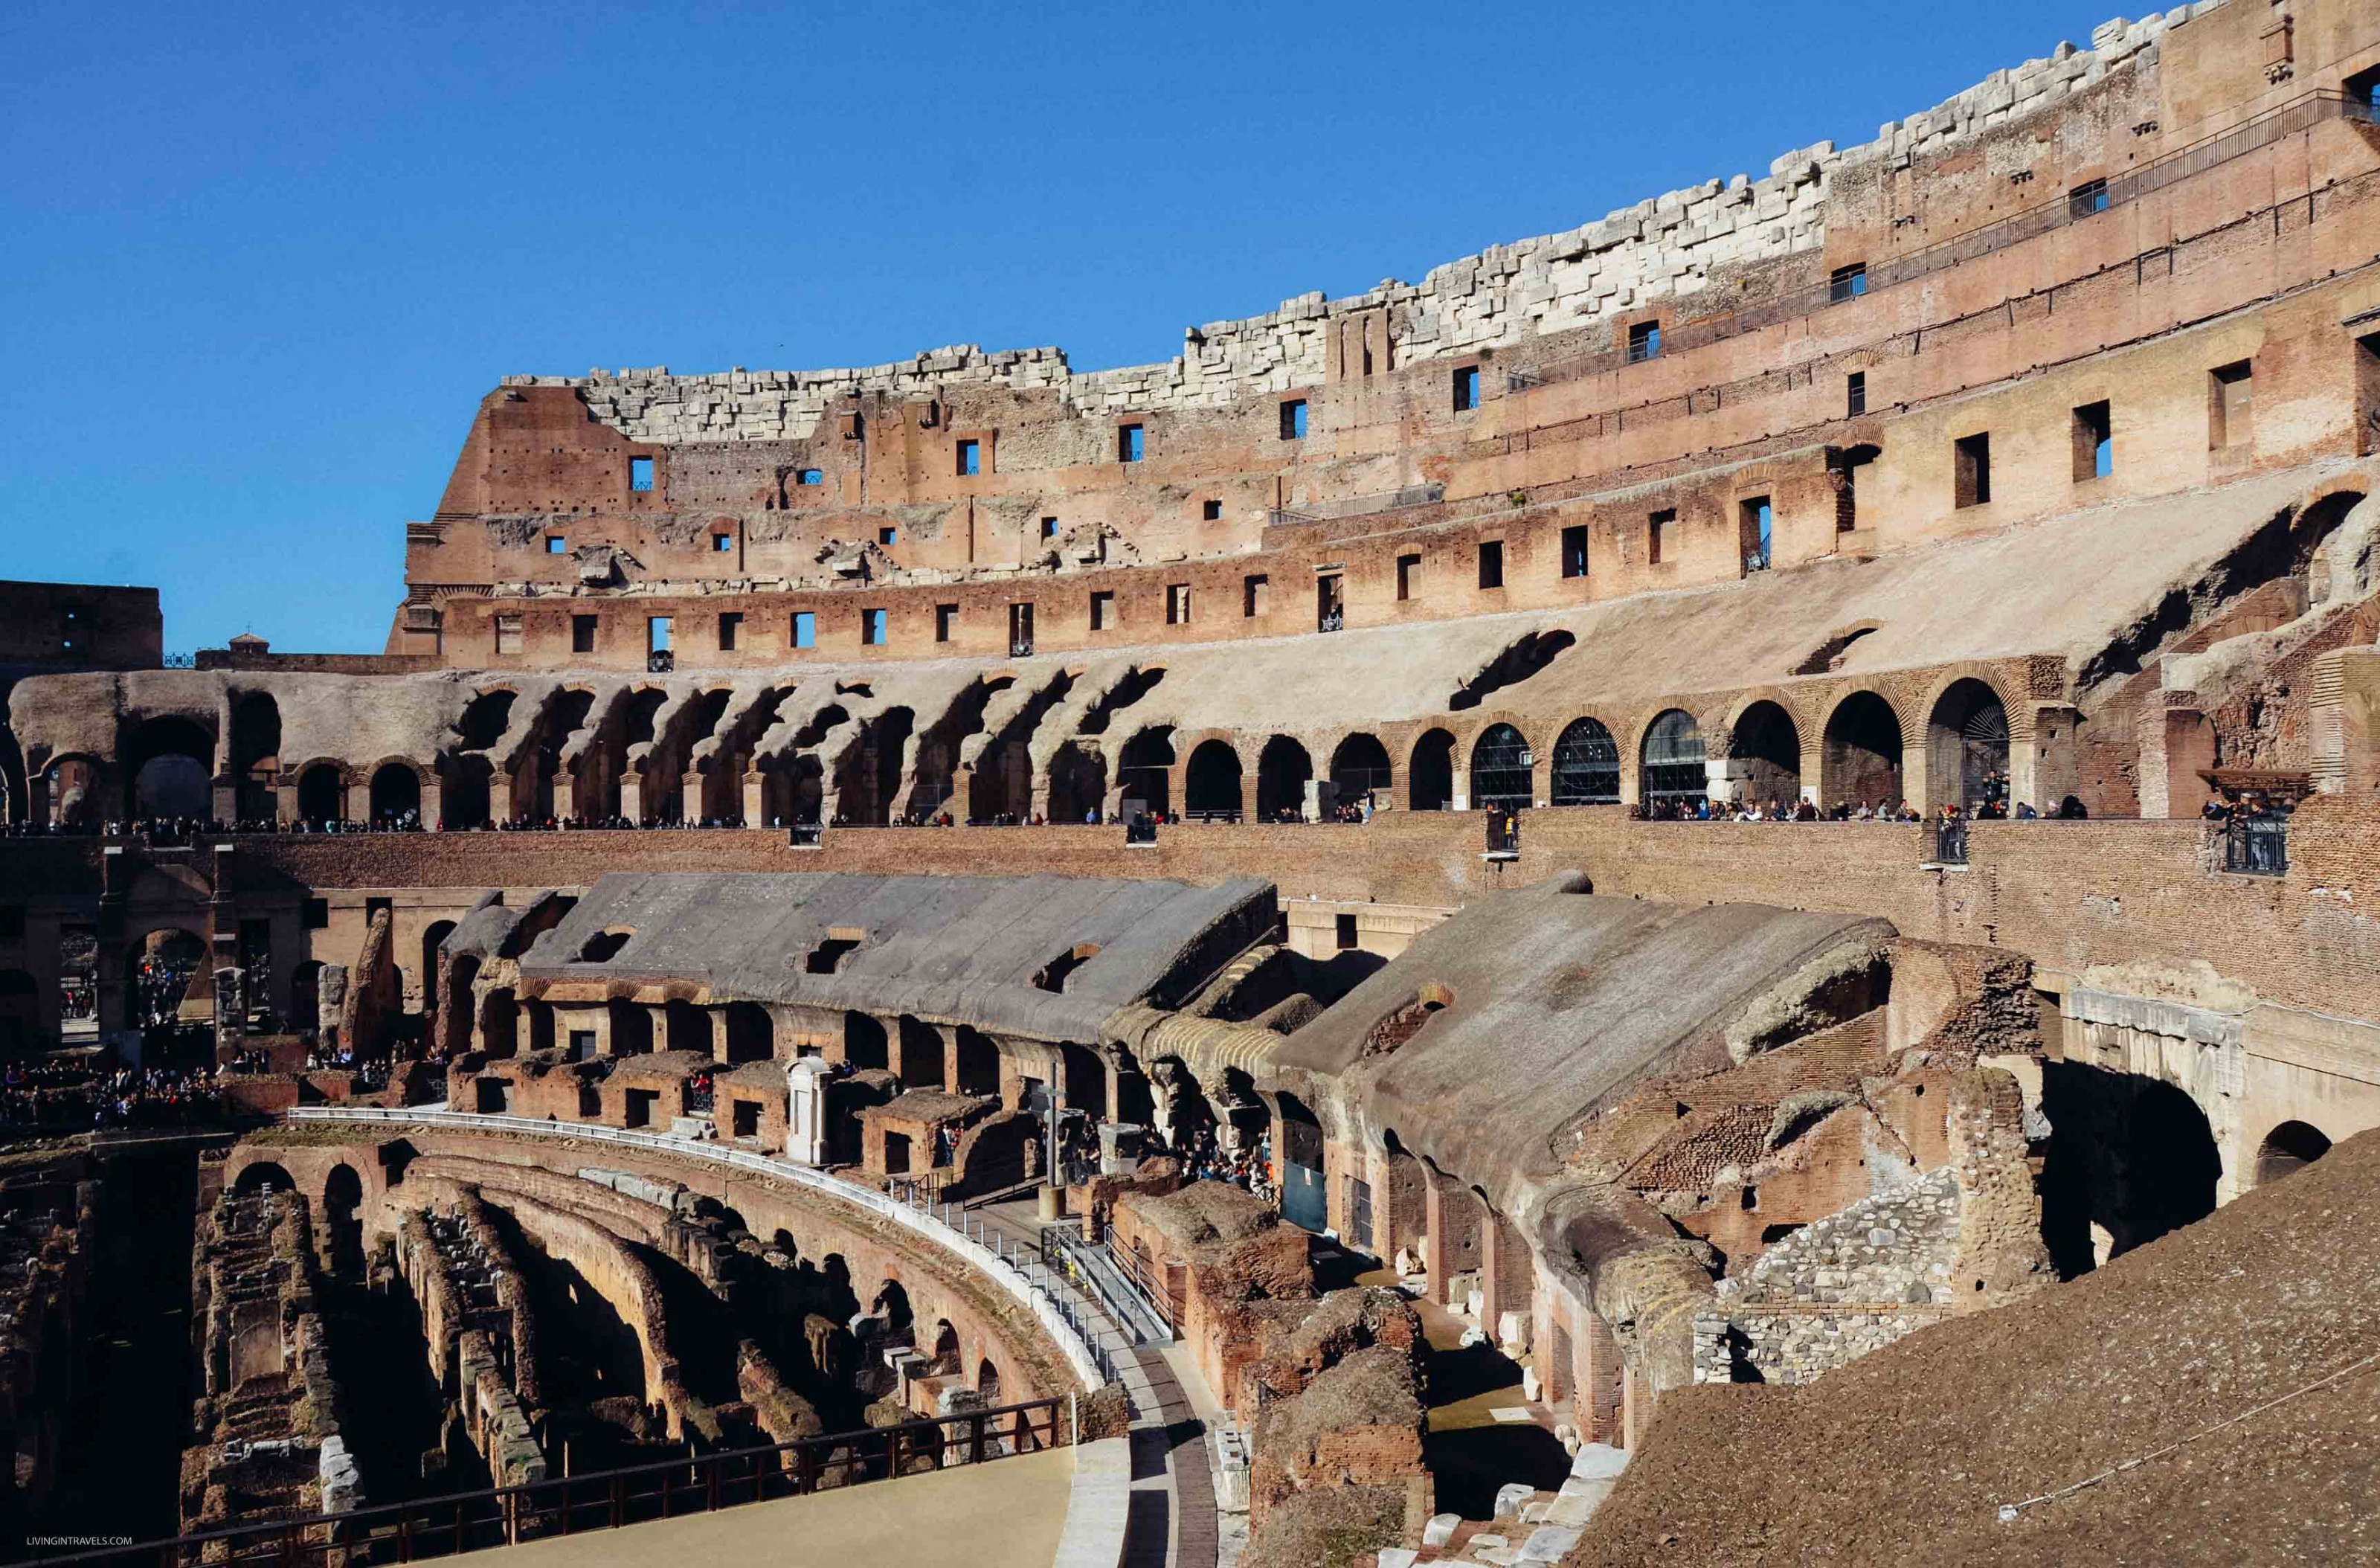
<point x="2131" y="1158"/>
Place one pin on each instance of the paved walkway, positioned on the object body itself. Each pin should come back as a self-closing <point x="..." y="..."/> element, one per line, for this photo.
<point x="1172" y="1522"/>
<point x="1007" y="1513"/>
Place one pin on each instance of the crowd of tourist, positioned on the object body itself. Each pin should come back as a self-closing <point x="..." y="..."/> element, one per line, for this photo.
<point x="68" y="1096"/>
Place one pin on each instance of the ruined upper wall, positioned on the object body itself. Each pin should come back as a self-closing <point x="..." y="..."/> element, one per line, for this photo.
<point x="1665" y="248"/>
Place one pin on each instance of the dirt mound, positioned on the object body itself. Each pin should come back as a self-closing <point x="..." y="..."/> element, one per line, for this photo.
<point x="1908" y="1456"/>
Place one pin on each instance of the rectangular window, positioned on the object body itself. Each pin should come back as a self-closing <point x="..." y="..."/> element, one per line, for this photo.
<point x="970" y="457"/>
<point x="2089" y="197"/>
<point x="1848" y="283"/>
<point x="582" y="1045"/>
<point x="317" y="914"/>
<point x="1020" y="630"/>
<point x="946" y="619"/>
<point x="1329" y="603"/>
<point x="1755" y="520"/>
<point x="657" y="634"/>
<point x="1972" y="478"/>
<point x="1103" y="610"/>
<point x="582" y="634"/>
<point x="1855" y="394"/>
<point x="1574" y="550"/>
<point x="2230" y="406"/>
<point x="2095" y="443"/>
<point x="1177" y="605"/>
<point x="1408" y="574"/>
<point x="1211" y="511"/>
<point x="509" y="633"/>
<point x="1292" y="420"/>
<point x="1256" y="594"/>
<point x="872" y="627"/>
<point x="813" y="476"/>
<point x="720" y="543"/>
<point x="1049" y="527"/>
<point x="731" y="629"/>
<point x="805" y="629"/>
<point x="1346" y="932"/>
<point x="640" y="473"/>
<point x="1466" y="389"/>
<point x="2363" y="90"/>
<point x="1643" y="342"/>
<point x="888" y="537"/>
<point x="1130" y="443"/>
<point x="556" y="544"/>
<point x="1656" y="534"/>
<point x="1491" y="563"/>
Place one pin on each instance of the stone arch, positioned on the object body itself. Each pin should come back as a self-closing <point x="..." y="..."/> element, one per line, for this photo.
<point x="1210" y="787"/>
<point x="1429" y="778"/>
<point x="1859" y="758"/>
<point x="686" y="1025"/>
<point x="395" y="793"/>
<point x="631" y="1027"/>
<point x="793" y="789"/>
<point x="977" y="1062"/>
<point x="2289" y="1149"/>
<point x="750" y="1034"/>
<point x="1671" y="761"/>
<point x="1360" y="766"/>
<point x="865" y="1042"/>
<point x="1764" y="754"/>
<point x="1000" y="785"/>
<point x="485" y="718"/>
<point x="920" y="1061"/>
<point x="254" y="755"/>
<point x="433" y="937"/>
<point x="322" y="793"/>
<point x="1144" y="769"/>
<point x="891" y="1302"/>
<point x="1284" y="770"/>
<point x="343" y="1197"/>
<point x="500" y="1023"/>
<point x="987" y="1382"/>
<point x="1967" y="745"/>
<point x="168" y="767"/>
<point x="258" y="1175"/>
<point x="1586" y="765"/>
<point x="1503" y="770"/>
<point x="1078" y="782"/>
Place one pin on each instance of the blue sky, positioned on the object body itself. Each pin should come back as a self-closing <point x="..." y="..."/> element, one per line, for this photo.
<point x="259" y="263"/>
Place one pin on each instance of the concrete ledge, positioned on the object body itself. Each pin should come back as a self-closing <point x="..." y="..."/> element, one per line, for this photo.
<point x="1098" y="1506"/>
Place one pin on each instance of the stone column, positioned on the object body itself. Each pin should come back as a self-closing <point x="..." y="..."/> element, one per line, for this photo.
<point x="358" y="797"/>
<point x="632" y="794"/>
<point x="2175" y="743"/>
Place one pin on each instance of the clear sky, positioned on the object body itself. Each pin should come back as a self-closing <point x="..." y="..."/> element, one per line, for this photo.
<point x="259" y="263"/>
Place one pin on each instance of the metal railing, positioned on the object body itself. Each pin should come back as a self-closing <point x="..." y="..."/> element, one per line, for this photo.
<point x="608" y="1500"/>
<point x="1946" y="843"/>
<point x="1067" y="1321"/>
<point x="1139" y="1303"/>
<point x="2256" y="847"/>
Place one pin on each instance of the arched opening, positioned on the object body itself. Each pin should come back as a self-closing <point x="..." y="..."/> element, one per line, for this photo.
<point x="255" y="756"/>
<point x="1144" y="769"/>
<point x="1670" y="771"/>
<point x="1765" y="756"/>
<point x="689" y="1026"/>
<point x="433" y="937"/>
<point x="793" y="789"/>
<point x="1210" y="789"/>
<point x="169" y="764"/>
<point x="1586" y="765"/>
<point x="869" y="777"/>
<point x="2289" y="1149"/>
<point x="987" y="1382"/>
<point x="1429" y="781"/>
<point x="1360" y="767"/>
<point x="2131" y="1159"/>
<point x="946" y="1358"/>
<point x="892" y="1303"/>
<point x="321" y="794"/>
<point x="632" y="1027"/>
<point x="1504" y="771"/>
<point x="20" y="1015"/>
<point x="160" y="973"/>
<point x="484" y="720"/>
<point x="396" y="796"/>
<point x="978" y="1062"/>
<point x="1859" y="761"/>
<point x="1001" y="787"/>
<point x="865" y="1045"/>
<point x="1967" y="748"/>
<point x="469" y="795"/>
<point x="921" y="1054"/>
<point x="1284" y="770"/>
<point x="343" y="1197"/>
<point x="263" y="1175"/>
<point x="1078" y="785"/>
<point x="749" y="1035"/>
<point x="499" y="1022"/>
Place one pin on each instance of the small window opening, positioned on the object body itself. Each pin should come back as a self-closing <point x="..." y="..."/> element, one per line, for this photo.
<point x="600" y="947"/>
<point x="720" y="543"/>
<point x="731" y="629"/>
<point x="1855" y="394"/>
<point x="1103" y="610"/>
<point x="1491" y="563"/>
<point x="1049" y="527"/>
<point x="1643" y="342"/>
<point x="640" y="473"/>
<point x="556" y="544"/>
<point x="509" y="633"/>
<point x="1658" y="529"/>
<point x="2230" y="406"/>
<point x="1574" y="550"/>
<point x="1466" y="389"/>
<point x="1256" y="594"/>
<point x="840" y="940"/>
<point x="1848" y="283"/>
<point x="1408" y="574"/>
<point x="2089" y="197"/>
<point x="1972" y="463"/>
<point x="657" y="634"/>
<point x="1211" y="511"/>
<point x="970" y="457"/>
<point x="746" y="1114"/>
<point x="1330" y="604"/>
<point x="813" y="476"/>
<point x="582" y="634"/>
<point x="1131" y="443"/>
<point x="1756" y="521"/>
<point x="1053" y="975"/>
<point x="805" y="628"/>
<point x="1347" y="936"/>
<point x="1177" y="604"/>
<point x="1292" y="420"/>
<point x="1020" y="630"/>
<point x="888" y="537"/>
<point x="872" y="625"/>
<point x="2095" y="443"/>
<point x="946" y="617"/>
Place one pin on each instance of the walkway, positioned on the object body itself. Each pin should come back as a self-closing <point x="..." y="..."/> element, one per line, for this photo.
<point x="1007" y="1516"/>
<point x="1173" y="1522"/>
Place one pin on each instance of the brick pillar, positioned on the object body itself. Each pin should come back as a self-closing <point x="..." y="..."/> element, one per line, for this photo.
<point x="1602" y="1385"/>
<point x="284" y="797"/>
<point x="1433" y="1252"/>
<point x="107" y="971"/>
<point x="632" y="796"/>
<point x="359" y="798"/>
